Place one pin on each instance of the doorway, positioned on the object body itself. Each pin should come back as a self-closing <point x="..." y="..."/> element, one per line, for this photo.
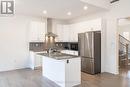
<point x="124" y="44"/>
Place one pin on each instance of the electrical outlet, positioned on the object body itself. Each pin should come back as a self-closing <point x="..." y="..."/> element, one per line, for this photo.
<point x="36" y="45"/>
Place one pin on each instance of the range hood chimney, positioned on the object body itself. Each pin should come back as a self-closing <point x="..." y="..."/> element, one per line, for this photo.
<point x="49" y="28"/>
<point x="49" y="36"/>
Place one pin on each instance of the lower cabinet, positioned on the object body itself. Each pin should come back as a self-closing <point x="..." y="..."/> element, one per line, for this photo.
<point x="71" y="52"/>
<point x="35" y="60"/>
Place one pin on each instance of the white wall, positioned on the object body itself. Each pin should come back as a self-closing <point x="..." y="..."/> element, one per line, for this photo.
<point x="14" y="47"/>
<point x="118" y="10"/>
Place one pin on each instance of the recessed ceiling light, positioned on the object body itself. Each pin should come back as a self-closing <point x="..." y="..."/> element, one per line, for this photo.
<point x="44" y="12"/>
<point x="85" y="8"/>
<point x="69" y="13"/>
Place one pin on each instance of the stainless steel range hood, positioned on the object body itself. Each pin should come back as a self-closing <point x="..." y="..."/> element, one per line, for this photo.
<point x="49" y="28"/>
<point x="50" y="37"/>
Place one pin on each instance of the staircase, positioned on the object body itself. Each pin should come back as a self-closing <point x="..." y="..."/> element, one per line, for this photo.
<point x="124" y="51"/>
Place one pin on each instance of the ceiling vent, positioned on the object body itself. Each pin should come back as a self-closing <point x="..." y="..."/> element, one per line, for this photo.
<point x="112" y="1"/>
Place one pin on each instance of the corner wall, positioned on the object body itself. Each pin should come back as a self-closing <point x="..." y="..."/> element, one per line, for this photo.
<point x="14" y="50"/>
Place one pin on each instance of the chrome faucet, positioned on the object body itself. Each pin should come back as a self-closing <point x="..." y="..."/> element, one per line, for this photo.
<point x="50" y="50"/>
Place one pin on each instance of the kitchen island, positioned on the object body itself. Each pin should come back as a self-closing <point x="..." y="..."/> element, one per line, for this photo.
<point x="63" y="69"/>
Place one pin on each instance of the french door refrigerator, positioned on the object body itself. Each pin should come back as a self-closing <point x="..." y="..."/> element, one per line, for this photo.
<point x="90" y="51"/>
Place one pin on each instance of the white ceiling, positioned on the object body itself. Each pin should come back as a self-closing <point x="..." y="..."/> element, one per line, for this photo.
<point x="55" y="8"/>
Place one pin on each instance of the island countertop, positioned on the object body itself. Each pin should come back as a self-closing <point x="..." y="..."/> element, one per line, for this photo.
<point x="58" y="56"/>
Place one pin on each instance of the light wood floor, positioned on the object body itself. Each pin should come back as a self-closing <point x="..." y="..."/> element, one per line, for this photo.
<point x="30" y="78"/>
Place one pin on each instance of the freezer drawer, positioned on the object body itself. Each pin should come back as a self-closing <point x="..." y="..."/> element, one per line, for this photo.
<point x="87" y="65"/>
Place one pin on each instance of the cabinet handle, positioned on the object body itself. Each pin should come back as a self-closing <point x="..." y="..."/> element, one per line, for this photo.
<point x="67" y="61"/>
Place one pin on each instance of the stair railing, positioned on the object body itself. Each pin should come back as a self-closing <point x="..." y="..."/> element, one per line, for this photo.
<point x="124" y="49"/>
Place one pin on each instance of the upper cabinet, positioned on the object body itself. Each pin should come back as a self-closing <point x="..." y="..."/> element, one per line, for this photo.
<point x="37" y="31"/>
<point x="66" y="28"/>
<point x="63" y="32"/>
<point x="74" y="30"/>
<point x="69" y="32"/>
<point x="91" y="25"/>
<point x="81" y="27"/>
<point x="58" y="30"/>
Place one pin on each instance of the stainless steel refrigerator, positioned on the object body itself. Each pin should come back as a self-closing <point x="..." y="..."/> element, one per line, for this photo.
<point x="90" y="51"/>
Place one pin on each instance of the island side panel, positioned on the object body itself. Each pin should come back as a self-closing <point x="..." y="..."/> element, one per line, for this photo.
<point x="31" y="60"/>
<point x="73" y="72"/>
<point x="54" y="70"/>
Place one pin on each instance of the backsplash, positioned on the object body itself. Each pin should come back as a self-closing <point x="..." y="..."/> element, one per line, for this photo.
<point x="37" y="46"/>
<point x="40" y="46"/>
<point x="68" y="45"/>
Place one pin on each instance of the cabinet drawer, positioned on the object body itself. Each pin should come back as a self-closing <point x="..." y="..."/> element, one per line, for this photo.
<point x="70" y="52"/>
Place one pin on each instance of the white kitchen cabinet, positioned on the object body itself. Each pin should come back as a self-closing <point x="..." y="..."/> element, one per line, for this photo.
<point x="74" y="30"/>
<point x="71" y="52"/>
<point x="81" y="27"/>
<point x="76" y="53"/>
<point x="36" y="31"/>
<point x="59" y="31"/>
<point x="35" y="60"/>
<point x="66" y="33"/>
<point x="69" y="32"/>
<point x="63" y="32"/>
<point x="64" y="51"/>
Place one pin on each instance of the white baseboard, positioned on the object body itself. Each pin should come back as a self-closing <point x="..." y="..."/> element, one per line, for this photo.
<point x="10" y="69"/>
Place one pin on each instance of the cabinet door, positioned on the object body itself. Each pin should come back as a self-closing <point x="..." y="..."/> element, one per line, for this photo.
<point x="76" y="53"/>
<point x="59" y="32"/>
<point x="38" y="61"/>
<point x="33" y="32"/>
<point x="41" y="32"/>
<point x="64" y="51"/>
<point x="37" y="31"/>
<point x="35" y="60"/>
<point x="73" y="72"/>
<point x="73" y="33"/>
<point x="66" y="33"/>
<point x="71" y="52"/>
<point x="63" y="32"/>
